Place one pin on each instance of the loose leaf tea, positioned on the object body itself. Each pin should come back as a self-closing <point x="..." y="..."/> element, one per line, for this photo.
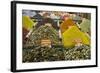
<point x="40" y="54"/>
<point x="41" y="33"/>
<point x="78" y="53"/>
<point x="55" y="36"/>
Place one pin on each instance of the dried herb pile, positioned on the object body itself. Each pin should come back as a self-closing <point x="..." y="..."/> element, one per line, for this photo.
<point x="43" y="32"/>
<point x="34" y="52"/>
<point x="41" y="54"/>
<point x="78" y="53"/>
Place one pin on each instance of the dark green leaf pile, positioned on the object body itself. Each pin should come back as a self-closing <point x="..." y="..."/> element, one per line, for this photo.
<point x="78" y="53"/>
<point x="41" y="54"/>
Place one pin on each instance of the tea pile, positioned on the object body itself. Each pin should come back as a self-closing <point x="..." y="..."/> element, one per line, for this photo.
<point x="78" y="53"/>
<point x="40" y="54"/>
<point x="34" y="52"/>
<point x="43" y="32"/>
